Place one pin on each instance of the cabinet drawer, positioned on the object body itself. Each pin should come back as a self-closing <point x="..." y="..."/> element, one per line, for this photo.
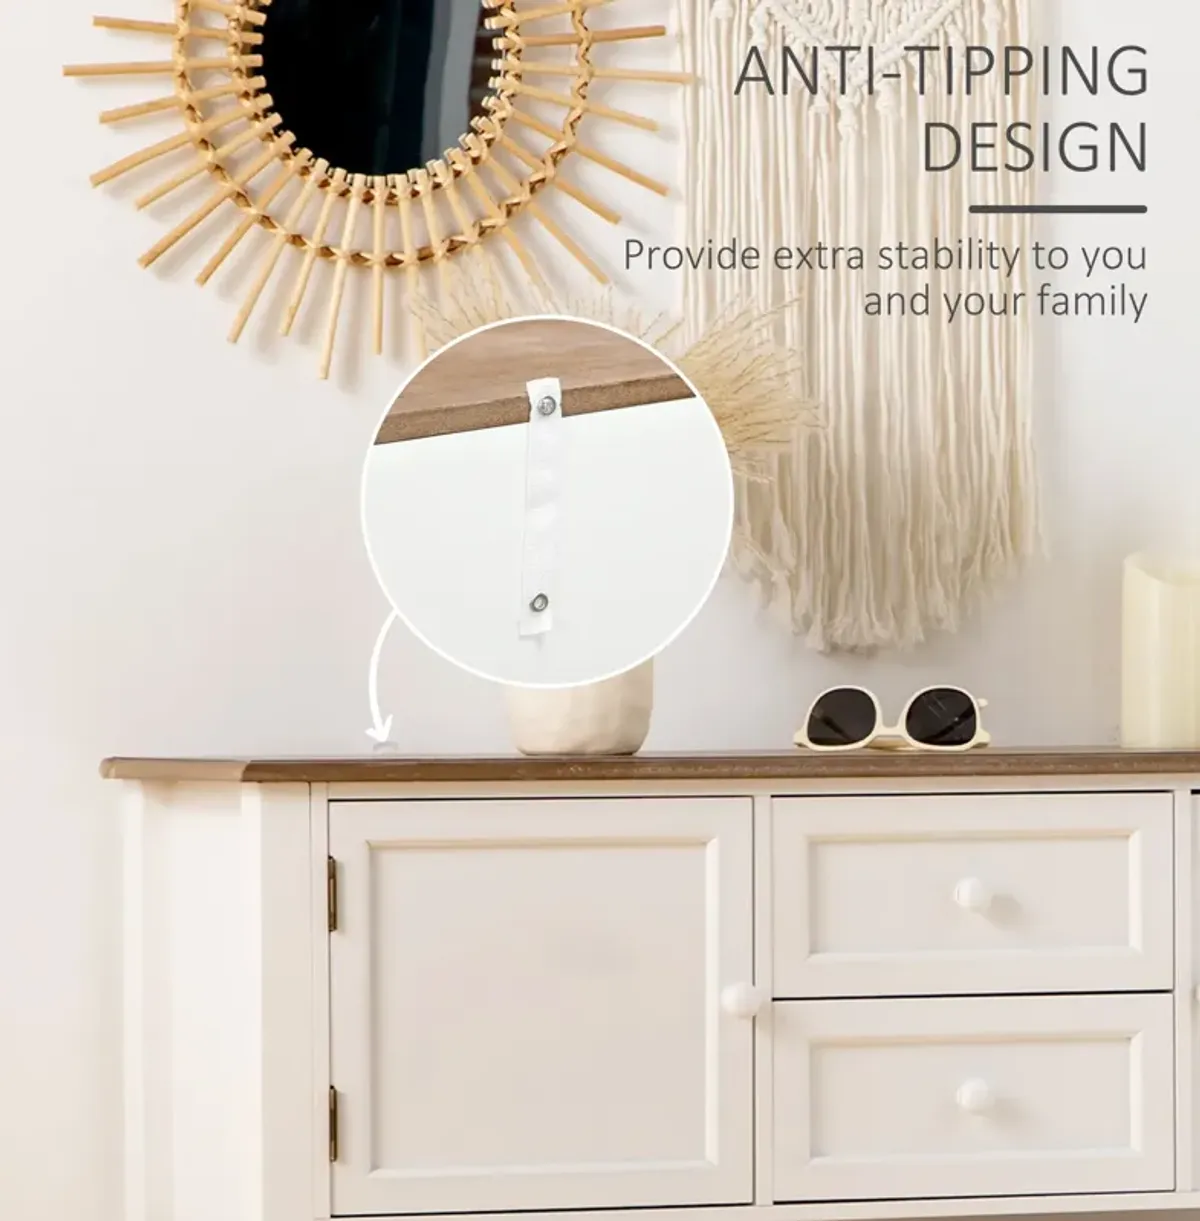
<point x="914" y="1099"/>
<point x="961" y="894"/>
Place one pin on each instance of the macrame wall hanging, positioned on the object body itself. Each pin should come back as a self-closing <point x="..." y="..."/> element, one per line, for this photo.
<point x="919" y="493"/>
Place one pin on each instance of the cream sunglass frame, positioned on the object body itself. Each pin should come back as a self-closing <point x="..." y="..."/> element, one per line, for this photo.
<point x="895" y="737"/>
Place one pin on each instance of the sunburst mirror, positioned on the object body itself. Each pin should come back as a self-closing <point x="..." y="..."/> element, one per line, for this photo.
<point x="381" y="135"/>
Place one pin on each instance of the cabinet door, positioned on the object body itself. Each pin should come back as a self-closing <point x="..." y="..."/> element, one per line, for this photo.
<point x="525" y="1008"/>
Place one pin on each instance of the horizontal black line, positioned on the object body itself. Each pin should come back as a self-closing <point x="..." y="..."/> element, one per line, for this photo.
<point x="1059" y="209"/>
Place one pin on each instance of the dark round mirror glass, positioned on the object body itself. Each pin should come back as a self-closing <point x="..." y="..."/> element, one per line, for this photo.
<point x="377" y="86"/>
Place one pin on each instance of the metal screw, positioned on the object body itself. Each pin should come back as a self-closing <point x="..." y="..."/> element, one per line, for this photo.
<point x="547" y="406"/>
<point x="539" y="604"/>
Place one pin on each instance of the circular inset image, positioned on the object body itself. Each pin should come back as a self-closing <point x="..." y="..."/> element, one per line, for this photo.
<point x="547" y="502"/>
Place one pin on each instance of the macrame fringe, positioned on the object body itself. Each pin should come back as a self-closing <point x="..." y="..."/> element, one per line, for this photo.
<point x="920" y="495"/>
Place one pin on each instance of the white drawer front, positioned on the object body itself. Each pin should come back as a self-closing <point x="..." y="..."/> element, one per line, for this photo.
<point x="1015" y="1096"/>
<point x="960" y="894"/>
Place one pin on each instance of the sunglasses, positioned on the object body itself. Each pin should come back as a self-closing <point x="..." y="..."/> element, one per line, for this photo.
<point x="937" y="718"/>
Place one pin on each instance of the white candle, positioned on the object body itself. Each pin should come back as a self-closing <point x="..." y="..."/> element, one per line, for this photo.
<point x="1160" y="680"/>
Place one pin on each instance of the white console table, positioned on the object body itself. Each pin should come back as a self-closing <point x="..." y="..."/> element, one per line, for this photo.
<point x="826" y="987"/>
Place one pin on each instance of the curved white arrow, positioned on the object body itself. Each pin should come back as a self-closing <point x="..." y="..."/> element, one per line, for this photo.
<point x="380" y="728"/>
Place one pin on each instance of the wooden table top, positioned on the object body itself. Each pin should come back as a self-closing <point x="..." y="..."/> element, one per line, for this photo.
<point x="785" y="765"/>
<point x="480" y="382"/>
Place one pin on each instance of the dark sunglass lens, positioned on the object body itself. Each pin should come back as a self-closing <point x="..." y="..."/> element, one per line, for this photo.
<point x="844" y="717"/>
<point x="943" y="716"/>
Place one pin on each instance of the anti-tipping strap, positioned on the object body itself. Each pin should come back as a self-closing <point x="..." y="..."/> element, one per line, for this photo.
<point x="542" y="484"/>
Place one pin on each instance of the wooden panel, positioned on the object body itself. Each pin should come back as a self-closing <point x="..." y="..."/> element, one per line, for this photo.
<point x="912" y="1099"/>
<point x="794" y="765"/>
<point x="956" y="893"/>
<point x="480" y="383"/>
<point x="526" y="1004"/>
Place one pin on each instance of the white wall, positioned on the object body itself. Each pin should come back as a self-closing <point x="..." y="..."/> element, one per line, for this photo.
<point x="183" y="571"/>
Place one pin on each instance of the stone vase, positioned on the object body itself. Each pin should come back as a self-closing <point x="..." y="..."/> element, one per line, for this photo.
<point x="606" y="718"/>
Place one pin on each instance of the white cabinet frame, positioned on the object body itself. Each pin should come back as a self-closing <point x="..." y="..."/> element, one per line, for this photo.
<point x="226" y="995"/>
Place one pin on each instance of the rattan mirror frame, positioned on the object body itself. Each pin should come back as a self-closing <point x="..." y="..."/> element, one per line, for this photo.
<point x="420" y="218"/>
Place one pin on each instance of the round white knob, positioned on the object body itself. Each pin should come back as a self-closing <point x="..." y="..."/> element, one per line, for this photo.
<point x="974" y="1096"/>
<point x="742" y="1000"/>
<point x="972" y="895"/>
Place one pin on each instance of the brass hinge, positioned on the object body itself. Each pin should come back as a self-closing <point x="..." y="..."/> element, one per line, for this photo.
<point x="333" y="1124"/>
<point x="331" y="893"/>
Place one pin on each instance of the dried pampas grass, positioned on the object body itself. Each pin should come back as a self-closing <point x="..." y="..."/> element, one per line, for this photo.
<point x="751" y="384"/>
